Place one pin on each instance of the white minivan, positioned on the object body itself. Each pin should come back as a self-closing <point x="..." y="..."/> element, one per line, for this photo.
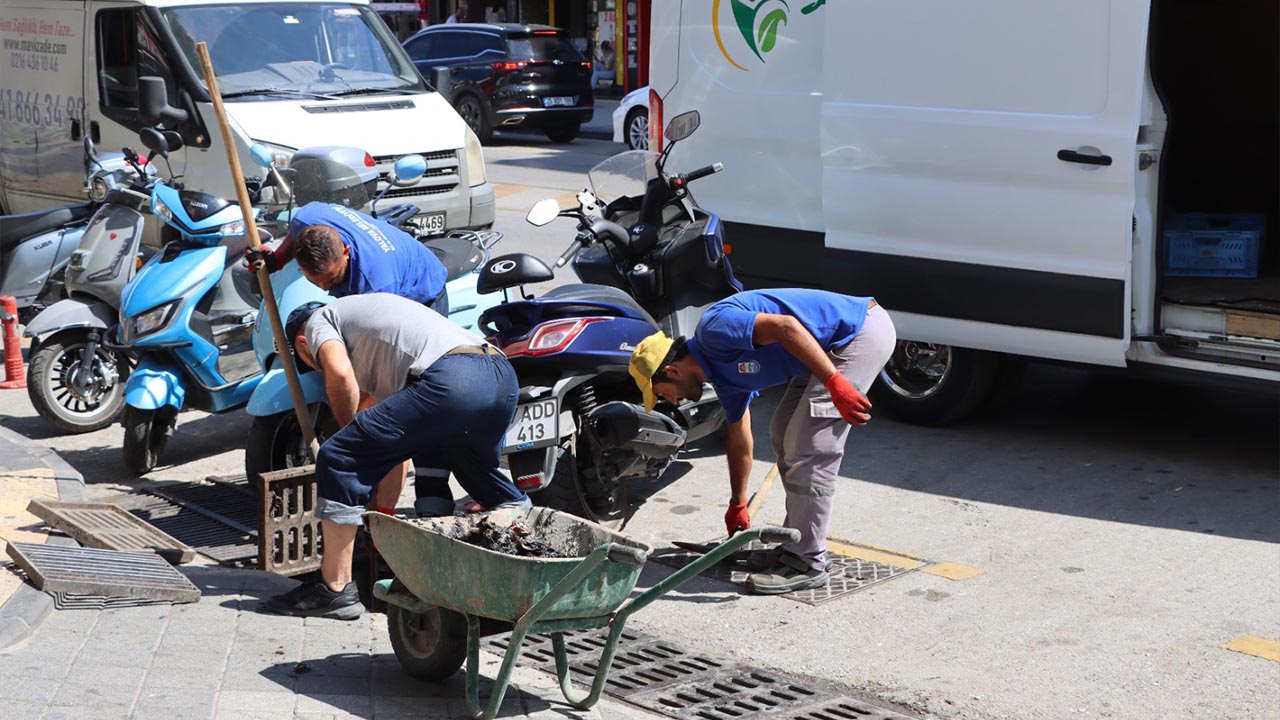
<point x="1093" y="181"/>
<point x="293" y="73"/>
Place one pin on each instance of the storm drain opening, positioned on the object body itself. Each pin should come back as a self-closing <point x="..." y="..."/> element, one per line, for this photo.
<point x="846" y="574"/>
<point x="215" y="519"/>
<point x="668" y="679"/>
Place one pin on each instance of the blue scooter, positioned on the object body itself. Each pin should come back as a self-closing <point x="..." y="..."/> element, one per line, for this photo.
<point x="649" y="259"/>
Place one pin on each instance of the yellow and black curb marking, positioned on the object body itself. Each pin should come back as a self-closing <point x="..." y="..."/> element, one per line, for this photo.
<point x="1255" y="646"/>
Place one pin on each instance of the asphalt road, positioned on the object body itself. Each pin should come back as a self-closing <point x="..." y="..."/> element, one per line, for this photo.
<point x="1124" y="532"/>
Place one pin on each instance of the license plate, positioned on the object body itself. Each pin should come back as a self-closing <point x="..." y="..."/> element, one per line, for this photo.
<point x="558" y="101"/>
<point x="432" y="223"/>
<point x="536" y="424"/>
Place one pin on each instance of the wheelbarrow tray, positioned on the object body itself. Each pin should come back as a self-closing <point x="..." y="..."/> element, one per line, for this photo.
<point x="433" y="563"/>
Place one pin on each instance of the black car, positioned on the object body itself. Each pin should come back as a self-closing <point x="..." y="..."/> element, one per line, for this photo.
<point x="507" y="76"/>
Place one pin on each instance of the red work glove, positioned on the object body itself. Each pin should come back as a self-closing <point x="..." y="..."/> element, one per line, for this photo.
<point x="854" y="407"/>
<point x="737" y="518"/>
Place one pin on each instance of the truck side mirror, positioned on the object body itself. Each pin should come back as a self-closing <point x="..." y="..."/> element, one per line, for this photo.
<point x="153" y="103"/>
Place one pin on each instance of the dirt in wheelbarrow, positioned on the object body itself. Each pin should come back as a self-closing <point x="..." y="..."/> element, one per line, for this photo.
<point x="515" y="538"/>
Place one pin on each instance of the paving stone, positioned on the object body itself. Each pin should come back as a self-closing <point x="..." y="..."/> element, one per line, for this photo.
<point x="87" y="711"/>
<point x="100" y="686"/>
<point x="178" y="677"/>
<point x="341" y="665"/>
<point x="272" y="679"/>
<point x="22" y="708"/>
<point x="97" y="656"/>
<point x="173" y="712"/>
<point x="174" y="703"/>
<point x="391" y="680"/>
<point x="411" y="708"/>
<point x="328" y="704"/>
<point x="249" y="702"/>
<point x="27" y="687"/>
<point x="311" y="683"/>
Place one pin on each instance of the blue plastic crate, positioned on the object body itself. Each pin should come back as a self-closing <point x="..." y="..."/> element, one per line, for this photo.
<point x="1207" y="245"/>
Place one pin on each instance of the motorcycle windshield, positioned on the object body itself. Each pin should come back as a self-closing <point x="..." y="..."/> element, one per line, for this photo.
<point x="624" y="174"/>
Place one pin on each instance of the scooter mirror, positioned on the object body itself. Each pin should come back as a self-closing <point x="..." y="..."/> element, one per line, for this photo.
<point x="683" y="125"/>
<point x="154" y="140"/>
<point x="173" y="139"/>
<point x="408" y="170"/>
<point x="262" y="155"/>
<point x="543" y="212"/>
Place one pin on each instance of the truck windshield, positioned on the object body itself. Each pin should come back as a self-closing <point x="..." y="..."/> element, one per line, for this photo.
<point x="294" y="48"/>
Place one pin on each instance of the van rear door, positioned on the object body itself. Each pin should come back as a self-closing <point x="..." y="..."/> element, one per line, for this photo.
<point x="978" y="166"/>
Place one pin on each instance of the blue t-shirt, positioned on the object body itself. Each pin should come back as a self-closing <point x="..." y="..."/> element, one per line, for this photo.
<point x="738" y="368"/>
<point x="381" y="259"/>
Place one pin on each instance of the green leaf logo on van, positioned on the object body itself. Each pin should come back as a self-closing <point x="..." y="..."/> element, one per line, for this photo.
<point x="759" y="22"/>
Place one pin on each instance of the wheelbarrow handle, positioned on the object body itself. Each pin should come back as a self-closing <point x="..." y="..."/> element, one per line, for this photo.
<point x="779" y="535"/>
<point x="623" y="554"/>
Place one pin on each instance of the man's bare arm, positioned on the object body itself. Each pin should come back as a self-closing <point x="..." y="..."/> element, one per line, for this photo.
<point x="739" y="446"/>
<point x="795" y="339"/>
<point x="340" y="384"/>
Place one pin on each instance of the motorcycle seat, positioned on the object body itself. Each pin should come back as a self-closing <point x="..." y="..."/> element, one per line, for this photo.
<point x="459" y="255"/>
<point x="16" y="228"/>
<point x="604" y="294"/>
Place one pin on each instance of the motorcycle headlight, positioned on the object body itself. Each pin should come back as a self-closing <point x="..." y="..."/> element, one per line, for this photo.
<point x="280" y="155"/>
<point x="163" y="212"/>
<point x="98" y="188"/>
<point x="232" y="229"/>
<point x="475" y="160"/>
<point x="152" y="320"/>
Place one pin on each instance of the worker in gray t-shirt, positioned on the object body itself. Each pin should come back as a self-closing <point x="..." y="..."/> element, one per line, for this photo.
<point x="444" y="399"/>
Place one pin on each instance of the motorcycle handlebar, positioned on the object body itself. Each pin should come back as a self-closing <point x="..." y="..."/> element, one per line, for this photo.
<point x="702" y="172"/>
<point x="567" y="255"/>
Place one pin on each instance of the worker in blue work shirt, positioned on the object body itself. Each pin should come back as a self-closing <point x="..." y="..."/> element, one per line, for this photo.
<point x="347" y="252"/>
<point x="827" y="349"/>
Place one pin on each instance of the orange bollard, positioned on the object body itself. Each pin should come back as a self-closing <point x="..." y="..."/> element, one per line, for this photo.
<point x="15" y="375"/>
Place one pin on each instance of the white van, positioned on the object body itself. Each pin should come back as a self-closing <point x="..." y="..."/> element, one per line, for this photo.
<point x="293" y="73"/>
<point x="1092" y="181"/>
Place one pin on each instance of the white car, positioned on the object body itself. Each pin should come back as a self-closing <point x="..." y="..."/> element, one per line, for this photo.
<point x="631" y="119"/>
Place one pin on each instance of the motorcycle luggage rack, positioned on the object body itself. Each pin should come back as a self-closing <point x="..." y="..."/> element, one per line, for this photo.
<point x="288" y="529"/>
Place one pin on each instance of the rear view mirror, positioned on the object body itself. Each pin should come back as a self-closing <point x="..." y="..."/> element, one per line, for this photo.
<point x="543" y="212"/>
<point x="408" y="170"/>
<point x="153" y="103"/>
<point x="683" y="125"/>
<point x="155" y="141"/>
<point x="262" y="155"/>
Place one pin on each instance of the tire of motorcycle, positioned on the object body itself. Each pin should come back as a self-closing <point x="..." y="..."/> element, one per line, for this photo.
<point x="48" y="376"/>
<point x="275" y="442"/>
<point x="571" y="487"/>
<point x="430" y="646"/>
<point x="146" y="432"/>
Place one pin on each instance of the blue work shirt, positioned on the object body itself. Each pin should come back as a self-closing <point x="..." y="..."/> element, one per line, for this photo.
<point x="381" y="258"/>
<point x="738" y="368"/>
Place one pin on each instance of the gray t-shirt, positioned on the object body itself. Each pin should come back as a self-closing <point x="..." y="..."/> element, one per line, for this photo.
<point x="388" y="338"/>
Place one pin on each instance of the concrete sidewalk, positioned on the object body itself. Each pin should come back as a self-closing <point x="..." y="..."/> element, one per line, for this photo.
<point x="27" y="471"/>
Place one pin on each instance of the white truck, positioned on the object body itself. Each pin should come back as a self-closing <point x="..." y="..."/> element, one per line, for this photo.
<point x="1090" y="181"/>
<point x="293" y="73"/>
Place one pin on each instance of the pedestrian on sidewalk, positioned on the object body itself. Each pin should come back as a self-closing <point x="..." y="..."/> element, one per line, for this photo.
<point x="347" y="252"/>
<point x="605" y="66"/>
<point x="444" y="399"/>
<point x="828" y="349"/>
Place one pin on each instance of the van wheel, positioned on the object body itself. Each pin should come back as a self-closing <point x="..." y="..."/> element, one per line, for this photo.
<point x="930" y="384"/>
<point x="563" y="133"/>
<point x="471" y="109"/>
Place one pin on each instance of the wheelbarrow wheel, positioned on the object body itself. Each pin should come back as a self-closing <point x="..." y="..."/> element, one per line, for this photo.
<point x="430" y="646"/>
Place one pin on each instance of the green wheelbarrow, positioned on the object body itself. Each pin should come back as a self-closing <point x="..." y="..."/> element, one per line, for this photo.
<point x="443" y="585"/>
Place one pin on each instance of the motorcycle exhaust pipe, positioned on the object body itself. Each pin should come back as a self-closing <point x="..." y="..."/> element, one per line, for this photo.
<point x="622" y="426"/>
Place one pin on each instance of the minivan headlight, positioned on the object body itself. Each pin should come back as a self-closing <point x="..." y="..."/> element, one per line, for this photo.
<point x="475" y="160"/>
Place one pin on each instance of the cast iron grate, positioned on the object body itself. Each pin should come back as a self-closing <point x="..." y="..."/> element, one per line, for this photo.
<point x="211" y="538"/>
<point x="847" y="574"/>
<point x="287" y="522"/>
<point x="106" y="526"/>
<point x="90" y="571"/>
<point x="76" y="601"/>
<point x="663" y="677"/>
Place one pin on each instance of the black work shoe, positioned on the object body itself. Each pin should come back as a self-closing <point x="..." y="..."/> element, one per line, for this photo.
<point x="788" y="574"/>
<point x="315" y="599"/>
<point x="760" y="560"/>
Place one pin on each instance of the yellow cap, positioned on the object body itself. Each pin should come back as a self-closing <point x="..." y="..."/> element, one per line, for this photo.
<point x="646" y="361"/>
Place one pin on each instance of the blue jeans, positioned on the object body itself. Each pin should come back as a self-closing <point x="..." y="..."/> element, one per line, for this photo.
<point x="453" y="416"/>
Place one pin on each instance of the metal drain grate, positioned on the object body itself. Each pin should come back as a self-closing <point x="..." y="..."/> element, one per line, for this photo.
<point x="847" y="574"/>
<point x="105" y="526"/>
<point x="663" y="677"/>
<point x="90" y="571"/>
<point x="209" y="537"/>
<point x="228" y="504"/>
<point x="75" y="601"/>
<point x="287" y="521"/>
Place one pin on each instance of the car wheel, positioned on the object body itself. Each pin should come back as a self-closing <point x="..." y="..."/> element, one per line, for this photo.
<point x="563" y="133"/>
<point x="472" y="111"/>
<point x="636" y="129"/>
<point x="932" y="384"/>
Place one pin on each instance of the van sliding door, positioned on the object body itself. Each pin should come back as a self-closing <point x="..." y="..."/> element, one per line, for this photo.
<point x="978" y="168"/>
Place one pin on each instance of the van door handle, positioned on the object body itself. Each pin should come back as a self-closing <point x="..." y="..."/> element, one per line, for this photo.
<point x="1079" y="157"/>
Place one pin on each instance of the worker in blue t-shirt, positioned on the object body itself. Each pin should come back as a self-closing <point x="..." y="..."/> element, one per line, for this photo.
<point x="828" y="349"/>
<point x="347" y="252"/>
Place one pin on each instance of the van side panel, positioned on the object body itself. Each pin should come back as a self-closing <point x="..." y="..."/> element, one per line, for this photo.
<point x="40" y="97"/>
<point x="759" y="104"/>
<point x="962" y="173"/>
